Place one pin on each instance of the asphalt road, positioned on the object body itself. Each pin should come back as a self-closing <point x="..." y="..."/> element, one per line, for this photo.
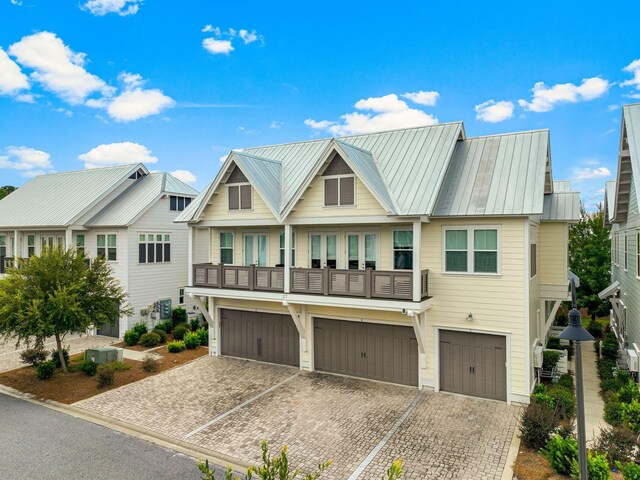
<point x="39" y="443"/>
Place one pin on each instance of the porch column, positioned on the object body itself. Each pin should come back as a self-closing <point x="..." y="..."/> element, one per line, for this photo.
<point x="417" y="241"/>
<point x="287" y="258"/>
<point x="16" y="249"/>
<point x="190" y="252"/>
<point x="68" y="239"/>
<point x="214" y="330"/>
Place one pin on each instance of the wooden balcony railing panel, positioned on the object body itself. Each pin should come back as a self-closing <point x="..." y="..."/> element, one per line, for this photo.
<point x="269" y="278"/>
<point x="309" y="280"/>
<point x="424" y="284"/>
<point x="394" y="285"/>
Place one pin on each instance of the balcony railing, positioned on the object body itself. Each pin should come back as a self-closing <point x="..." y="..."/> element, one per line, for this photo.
<point x="394" y="285"/>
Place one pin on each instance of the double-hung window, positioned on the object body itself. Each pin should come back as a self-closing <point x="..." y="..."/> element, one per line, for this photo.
<point x="107" y="246"/>
<point x="402" y="250"/>
<point x="154" y="248"/>
<point x="31" y="245"/>
<point x="181" y="296"/>
<point x="240" y="197"/>
<point x="226" y="248"/>
<point x="80" y="244"/>
<point x="471" y="250"/>
<point x="339" y="191"/>
<point x="626" y="251"/>
<point x="293" y="248"/>
<point x="3" y="246"/>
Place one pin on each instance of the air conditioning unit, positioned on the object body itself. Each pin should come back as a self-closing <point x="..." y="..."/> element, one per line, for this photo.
<point x="632" y="360"/>
<point x="537" y="356"/>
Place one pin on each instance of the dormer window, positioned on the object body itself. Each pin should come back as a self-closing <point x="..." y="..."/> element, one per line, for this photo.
<point x="178" y="204"/>
<point x="339" y="184"/>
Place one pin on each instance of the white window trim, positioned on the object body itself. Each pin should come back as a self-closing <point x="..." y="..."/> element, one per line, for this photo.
<point x="294" y="246"/>
<point x="531" y="277"/>
<point x="393" y="250"/>
<point x="355" y="188"/>
<point x="470" y="250"/>
<point x="323" y="252"/>
<point x="240" y="198"/>
<point x="256" y="234"/>
<point x="155" y="242"/>
<point x="181" y="294"/>
<point x="625" y="255"/>
<point x="233" y="246"/>
<point x="638" y="255"/>
<point x="106" y="246"/>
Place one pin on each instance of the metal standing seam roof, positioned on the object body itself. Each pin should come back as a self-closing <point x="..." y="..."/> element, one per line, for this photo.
<point x="137" y="199"/>
<point x="59" y="199"/>
<point x="561" y="207"/>
<point x="496" y="175"/>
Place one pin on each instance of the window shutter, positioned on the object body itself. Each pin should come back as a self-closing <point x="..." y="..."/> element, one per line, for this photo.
<point x="347" y="196"/>
<point x="245" y="197"/>
<point x="234" y="198"/>
<point x="331" y="191"/>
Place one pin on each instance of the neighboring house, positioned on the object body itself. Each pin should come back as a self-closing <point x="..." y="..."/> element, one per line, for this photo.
<point x="416" y="256"/>
<point x="125" y="213"/>
<point x="622" y="213"/>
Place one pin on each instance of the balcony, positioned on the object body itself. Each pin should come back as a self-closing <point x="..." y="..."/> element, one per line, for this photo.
<point x="389" y="285"/>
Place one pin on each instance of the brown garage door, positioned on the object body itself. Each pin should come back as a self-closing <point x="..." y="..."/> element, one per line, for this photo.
<point x="381" y="352"/>
<point x="260" y="336"/>
<point x="473" y="364"/>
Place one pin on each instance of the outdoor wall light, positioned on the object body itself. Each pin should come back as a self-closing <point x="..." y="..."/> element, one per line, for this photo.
<point x="470" y="317"/>
<point x="285" y="303"/>
<point x="410" y="313"/>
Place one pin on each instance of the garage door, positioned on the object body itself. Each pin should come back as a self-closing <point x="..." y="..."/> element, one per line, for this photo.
<point x="260" y="336"/>
<point x="112" y="330"/>
<point x="381" y="352"/>
<point x="473" y="364"/>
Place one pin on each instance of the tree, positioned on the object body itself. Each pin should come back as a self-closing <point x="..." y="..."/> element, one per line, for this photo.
<point x="6" y="190"/>
<point x="56" y="294"/>
<point x="590" y="259"/>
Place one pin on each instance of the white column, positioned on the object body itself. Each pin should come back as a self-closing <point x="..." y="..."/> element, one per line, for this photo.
<point x="16" y="249"/>
<point x="287" y="258"/>
<point x="216" y="345"/>
<point x="417" y="241"/>
<point x="190" y="253"/>
<point x="68" y="239"/>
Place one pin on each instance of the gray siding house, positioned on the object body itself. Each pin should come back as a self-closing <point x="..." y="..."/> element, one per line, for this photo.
<point x="125" y="213"/>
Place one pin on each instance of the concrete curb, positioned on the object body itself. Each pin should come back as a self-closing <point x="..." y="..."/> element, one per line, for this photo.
<point x="507" y="473"/>
<point x="164" y="441"/>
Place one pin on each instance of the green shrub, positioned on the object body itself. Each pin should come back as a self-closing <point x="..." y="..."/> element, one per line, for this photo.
<point x="45" y="370"/>
<point x="597" y="467"/>
<point x="623" y="375"/>
<point x="204" y="336"/>
<point x="166" y="326"/>
<point x="563" y="401"/>
<point x="176" y="346"/>
<point x="631" y="415"/>
<point x="118" y="366"/>
<point x="89" y="368"/>
<point x="194" y="323"/>
<point x="33" y="356"/>
<point x="606" y="367"/>
<point x="561" y="320"/>
<point x="192" y="340"/>
<point x="140" y="328"/>
<point x="553" y="343"/>
<point x="55" y="358"/>
<point x="617" y="442"/>
<point x="566" y="381"/>
<point x="611" y="385"/>
<point x="567" y="428"/>
<point x="595" y="329"/>
<point x="180" y="330"/>
<point x="610" y="348"/>
<point x="537" y="423"/>
<point x="561" y="453"/>
<point x="630" y="471"/>
<point x="628" y="392"/>
<point x="543" y="398"/>
<point x="131" y="337"/>
<point x="550" y="359"/>
<point x="150" y="364"/>
<point x="178" y="316"/>
<point x="106" y="375"/>
<point x="150" y="339"/>
<point x="613" y="410"/>
<point x="162" y="334"/>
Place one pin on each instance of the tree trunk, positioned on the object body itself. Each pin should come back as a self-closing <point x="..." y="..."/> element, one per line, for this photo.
<point x="63" y="364"/>
<point x="593" y="316"/>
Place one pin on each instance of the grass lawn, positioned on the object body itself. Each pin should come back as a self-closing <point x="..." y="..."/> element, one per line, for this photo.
<point x="75" y="386"/>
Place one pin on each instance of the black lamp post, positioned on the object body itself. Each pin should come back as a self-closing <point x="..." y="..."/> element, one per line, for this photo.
<point x="576" y="332"/>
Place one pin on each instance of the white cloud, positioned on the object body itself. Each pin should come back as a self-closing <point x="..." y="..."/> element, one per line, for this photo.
<point x="16" y="2"/>
<point x="184" y="175"/>
<point x="633" y="68"/>
<point x="389" y="113"/>
<point x="248" y="36"/>
<point x="216" y="46"/>
<point x="29" y="161"/>
<point x="12" y="80"/>
<point x="546" y="98"/>
<point x="57" y="67"/>
<point x="103" y="7"/>
<point x="123" y="153"/>
<point x="223" y="158"/>
<point x="211" y="28"/>
<point x="135" y="102"/>
<point x="428" y="99"/>
<point x="493" y="112"/>
<point x="276" y="124"/>
<point x="582" y="174"/>
<point x="612" y="108"/>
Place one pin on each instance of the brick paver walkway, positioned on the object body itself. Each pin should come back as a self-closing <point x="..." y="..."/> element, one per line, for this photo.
<point x="320" y="417"/>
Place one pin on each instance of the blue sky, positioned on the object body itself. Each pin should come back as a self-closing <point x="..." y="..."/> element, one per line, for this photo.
<point x="179" y="84"/>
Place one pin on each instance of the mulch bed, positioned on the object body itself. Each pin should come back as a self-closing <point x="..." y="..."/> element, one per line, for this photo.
<point x="75" y="386"/>
<point x="530" y="465"/>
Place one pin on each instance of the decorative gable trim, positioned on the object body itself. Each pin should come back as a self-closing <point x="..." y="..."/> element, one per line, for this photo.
<point x="337" y="166"/>
<point x="237" y="176"/>
<point x="624" y="178"/>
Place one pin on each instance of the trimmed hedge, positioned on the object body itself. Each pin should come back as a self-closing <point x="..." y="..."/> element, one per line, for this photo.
<point x="150" y="339"/>
<point x="176" y="346"/>
<point x="44" y="370"/>
<point x="131" y="337"/>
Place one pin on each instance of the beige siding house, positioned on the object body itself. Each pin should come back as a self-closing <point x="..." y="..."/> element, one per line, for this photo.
<point x="120" y="212"/>
<point x="415" y="256"/>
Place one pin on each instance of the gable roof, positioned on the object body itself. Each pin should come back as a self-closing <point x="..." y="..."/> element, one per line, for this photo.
<point x="496" y="175"/>
<point x="138" y="198"/>
<point x="433" y="171"/>
<point x="628" y="162"/>
<point x="60" y="199"/>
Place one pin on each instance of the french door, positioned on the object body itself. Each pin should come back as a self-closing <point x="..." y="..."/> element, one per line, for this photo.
<point x="362" y="251"/>
<point x="47" y="242"/>
<point x="255" y="249"/>
<point x="323" y="250"/>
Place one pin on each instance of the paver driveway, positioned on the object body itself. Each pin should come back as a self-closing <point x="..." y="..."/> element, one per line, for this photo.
<point x="229" y="405"/>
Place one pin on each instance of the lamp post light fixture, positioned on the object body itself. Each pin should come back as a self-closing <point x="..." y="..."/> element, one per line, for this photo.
<point x="576" y="332"/>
